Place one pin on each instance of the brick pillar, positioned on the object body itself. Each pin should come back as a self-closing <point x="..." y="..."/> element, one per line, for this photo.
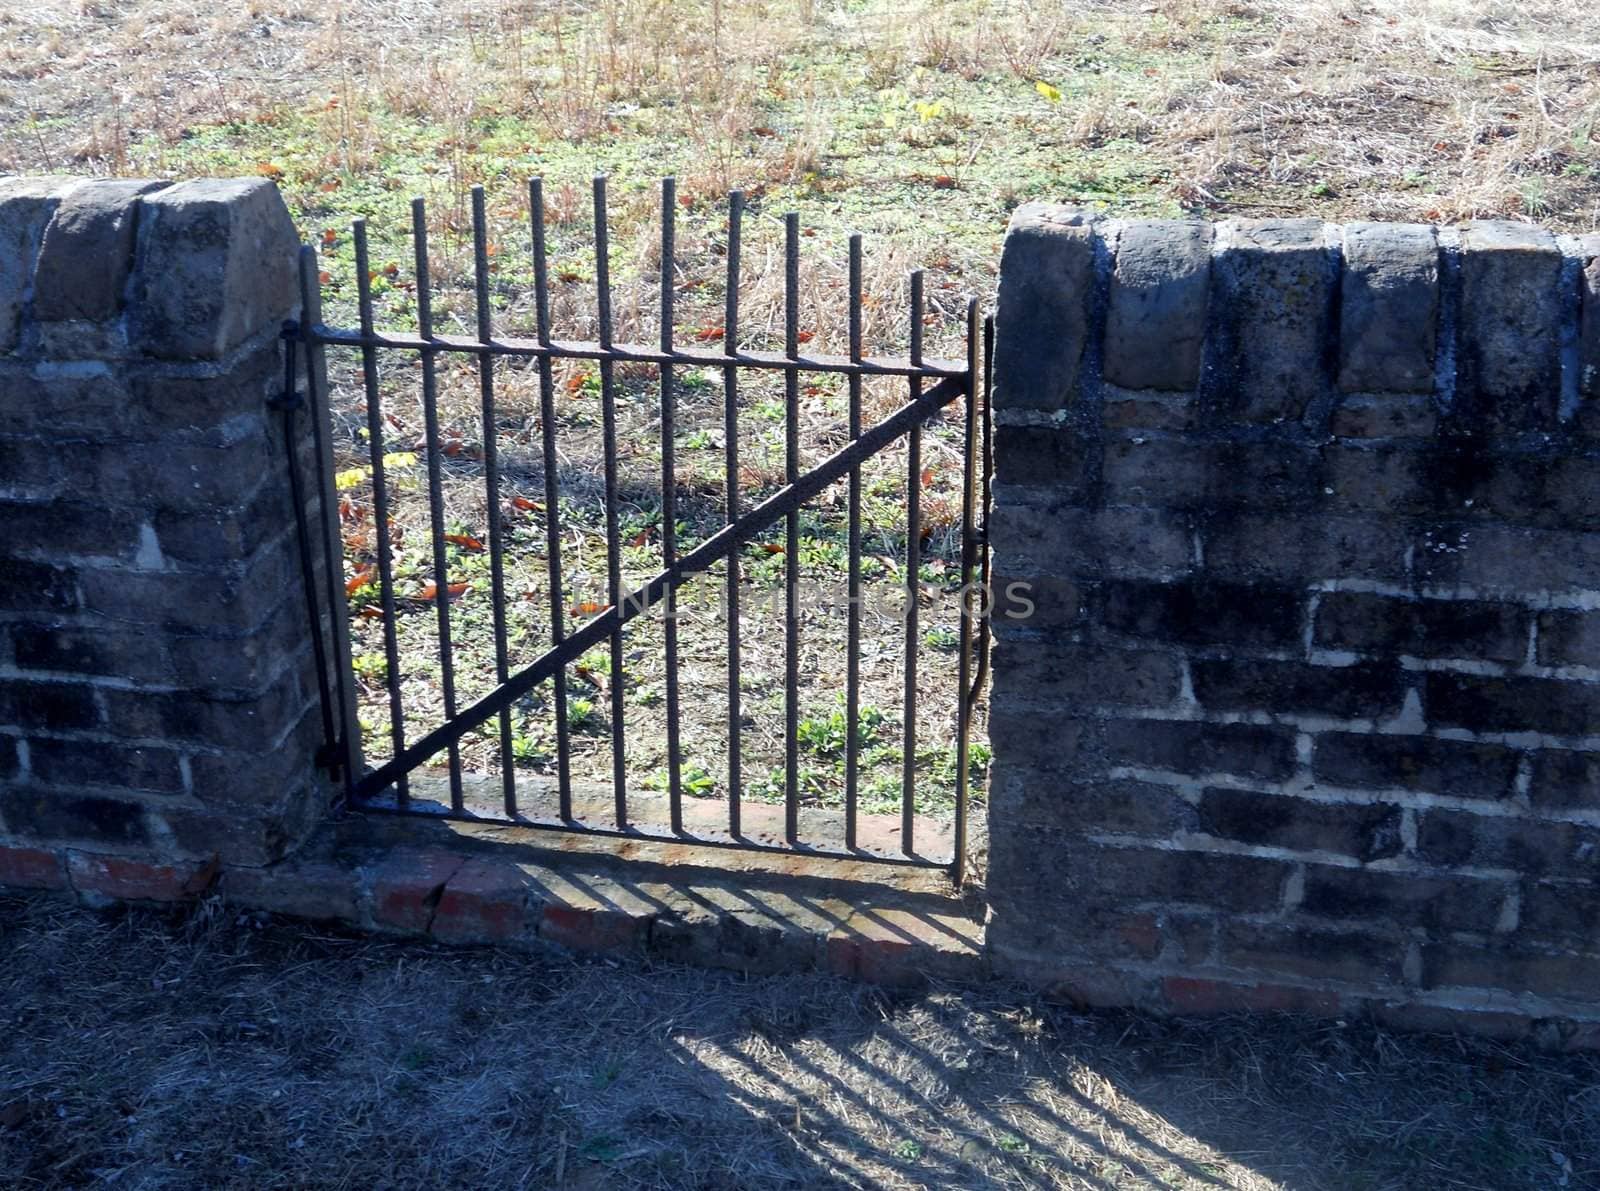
<point x="1302" y="707"/>
<point x="158" y="700"/>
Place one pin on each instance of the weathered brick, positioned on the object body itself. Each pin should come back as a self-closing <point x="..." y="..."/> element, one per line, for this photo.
<point x="1053" y="669"/>
<point x="1065" y="872"/>
<point x="250" y="722"/>
<point x="1566" y="912"/>
<point x="300" y="889"/>
<point x="1423" y="628"/>
<point x="1201" y="612"/>
<point x="1195" y="747"/>
<point x="1486" y="704"/>
<point x="753" y="941"/>
<point x="1366" y="689"/>
<point x="1021" y="796"/>
<point x="486" y="901"/>
<point x="217" y="264"/>
<point x="258" y="831"/>
<point x="26" y="208"/>
<point x="228" y="605"/>
<point x="1304" y="549"/>
<point x="87" y="252"/>
<point x="1351" y="956"/>
<point x="1501" y="559"/>
<point x="27" y="586"/>
<point x="1156" y="308"/>
<point x="408" y="886"/>
<point x="202" y="405"/>
<point x="88" y="402"/>
<point x="1534" y="847"/>
<point x="92" y="763"/>
<point x="1183" y="473"/>
<point x="1040" y="736"/>
<point x="30" y="468"/>
<point x="1452" y="767"/>
<point x="180" y="476"/>
<point x="1041" y="317"/>
<point x="1565" y="780"/>
<point x="592" y="927"/>
<point x="1568" y="638"/>
<point x="1060" y="539"/>
<point x="1043" y="456"/>
<point x="1389" y="308"/>
<point x="244" y="663"/>
<point x="1508" y="361"/>
<point x="206" y="535"/>
<point x="1366" y="831"/>
<point x="1368" y="416"/>
<point x="63" y="649"/>
<point x="1120" y="410"/>
<point x="137" y="880"/>
<point x="1514" y="968"/>
<point x="70" y="529"/>
<point x="1096" y="932"/>
<point x="47" y="815"/>
<point x="1195" y="995"/>
<point x="31" y="868"/>
<point x="1057" y="603"/>
<point x="1274" y="288"/>
<point x="1403" y="899"/>
<point x="54" y="706"/>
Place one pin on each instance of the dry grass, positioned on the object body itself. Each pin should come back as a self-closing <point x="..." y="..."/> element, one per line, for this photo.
<point x="202" y="1049"/>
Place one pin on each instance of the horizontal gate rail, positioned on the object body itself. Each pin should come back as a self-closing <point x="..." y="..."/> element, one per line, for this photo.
<point x="933" y="384"/>
<point x="632" y="353"/>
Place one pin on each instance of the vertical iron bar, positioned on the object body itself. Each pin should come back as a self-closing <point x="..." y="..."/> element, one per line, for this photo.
<point x="308" y="578"/>
<point x="430" y="417"/>
<point x="669" y="505"/>
<point x="552" y="528"/>
<point x="791" y="561"/>
<point x="969" y="546"/>
<point x="491" y="477"/>
<point x="730" y="434"/>
<point x="608" y="412"/>
<point x="852" y="687"/>
<point x="908" y="774"/>
<point x="380" y="502"/>
<point x="332" y="535"/>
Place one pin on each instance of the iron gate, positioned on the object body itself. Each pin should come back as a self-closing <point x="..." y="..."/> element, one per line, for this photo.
<point x="932" y="384"/>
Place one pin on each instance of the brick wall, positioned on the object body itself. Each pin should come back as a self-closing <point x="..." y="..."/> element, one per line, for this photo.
<point x="157" y="699"/>
<point x="1307" y="710"/>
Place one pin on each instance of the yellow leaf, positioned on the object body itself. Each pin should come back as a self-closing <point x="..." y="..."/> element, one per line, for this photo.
<point x="349" y="478"/>
<point x="1053" y="94"/>
<point x="400" y="459"/>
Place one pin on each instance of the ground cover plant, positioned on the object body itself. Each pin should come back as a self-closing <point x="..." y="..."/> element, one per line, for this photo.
<point x="205" y="1049"/>
<point x="920" y="124"/>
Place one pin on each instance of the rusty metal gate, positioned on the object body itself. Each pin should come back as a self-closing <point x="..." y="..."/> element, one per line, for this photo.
<point x="931" y="385"/>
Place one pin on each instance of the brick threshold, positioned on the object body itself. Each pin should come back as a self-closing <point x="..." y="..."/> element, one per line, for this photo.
<point x="489" y="883"/>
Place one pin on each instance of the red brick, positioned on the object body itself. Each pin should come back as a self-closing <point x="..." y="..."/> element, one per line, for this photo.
<point x="135" y="880"/>
<point x="1190" y="994"/>
<point x="592" y="928"/>
<point x="485" y="902"/>
<point x="407" y="889"/>
<point x="31" y="868"/>
<point x="876" y="961"/>
<point x="300" y="890"/>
